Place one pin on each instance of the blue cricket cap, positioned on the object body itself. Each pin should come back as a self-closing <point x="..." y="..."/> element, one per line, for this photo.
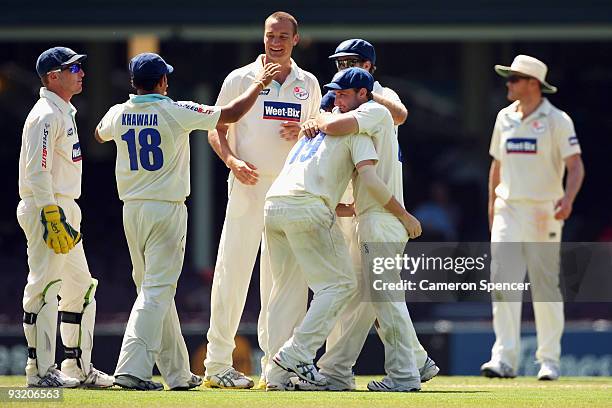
<point x="351" y="78"/>
<point x="327" y="101"/>
<point x="355" y="47"/>
<point x="56" y="58"/>
<point x="149" y="66"/>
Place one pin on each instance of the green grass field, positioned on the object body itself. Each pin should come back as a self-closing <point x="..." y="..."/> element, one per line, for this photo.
<point x="439" y="392"/>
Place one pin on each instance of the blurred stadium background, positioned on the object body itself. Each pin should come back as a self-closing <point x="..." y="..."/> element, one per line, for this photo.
<point x="437" y="55"/>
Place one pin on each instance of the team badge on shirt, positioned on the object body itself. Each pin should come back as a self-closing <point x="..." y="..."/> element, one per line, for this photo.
<point x="522" y="146"/>
<point x="282" y="111"/>
<point x="300" y="93"/>
<point x="76" y="152"/>
<point x="538" y="127"/>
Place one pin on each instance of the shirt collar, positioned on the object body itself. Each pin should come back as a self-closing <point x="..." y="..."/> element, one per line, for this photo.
<point x="543" y="110"/>
<point x="62" y="105"/>
<point x="148" y="98"/>
<point x="296" y="72"/>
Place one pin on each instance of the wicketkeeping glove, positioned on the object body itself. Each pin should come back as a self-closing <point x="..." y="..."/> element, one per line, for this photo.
<point x="58" y="234"/>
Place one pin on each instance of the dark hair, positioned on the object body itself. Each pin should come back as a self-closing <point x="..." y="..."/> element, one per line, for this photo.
<point x="370" y="96"/>
<point x="146" y="84"/>
<point x="281" y="15"/>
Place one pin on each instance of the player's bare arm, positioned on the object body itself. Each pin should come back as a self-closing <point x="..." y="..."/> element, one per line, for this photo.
<point x="377" y="189"/>
<point x="332" y="125"/>
<point x="493" y="183"/>
<point x="233" y="111"/>
<point x="98" y="138"/>
<point x="398" y="111"/>
<point x="244" y="171"/>
<point x="575" y="176"/>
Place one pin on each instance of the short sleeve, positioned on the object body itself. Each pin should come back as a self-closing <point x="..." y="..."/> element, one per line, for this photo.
<point x="105" y="127"/>
<point x="230" y="89"/>
<point x="315" y="100"/>
<point x="369" y="115"/>
<point x="191" y="115"/>
<point x="495" y="148"/>
<point x="391" y="95"/>
<point x="362" y="148"/>
<point x="565" y="135"/>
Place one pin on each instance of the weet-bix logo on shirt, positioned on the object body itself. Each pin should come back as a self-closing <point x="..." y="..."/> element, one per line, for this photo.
<point x="282" y="111"/>
<point x="522" y="145"/>
<point x="76" y="152"/>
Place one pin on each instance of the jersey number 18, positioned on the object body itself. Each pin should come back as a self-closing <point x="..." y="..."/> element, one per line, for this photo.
<point x="150" y="154"/>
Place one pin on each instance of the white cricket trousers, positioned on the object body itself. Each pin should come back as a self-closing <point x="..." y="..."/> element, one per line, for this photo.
<point x="525" y="237"/>
<point x="403" y="352"/>
<point x="305" y="244"/>
<point x="156" y="233"/>
<point x="46" y="266"/>
<point x="240" y="241"/>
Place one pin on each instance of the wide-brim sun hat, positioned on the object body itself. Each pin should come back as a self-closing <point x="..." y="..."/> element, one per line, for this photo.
<point x="530" y="66"/>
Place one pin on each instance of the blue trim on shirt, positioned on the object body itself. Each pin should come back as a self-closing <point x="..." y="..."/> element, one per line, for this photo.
<point x="148" y="98"/>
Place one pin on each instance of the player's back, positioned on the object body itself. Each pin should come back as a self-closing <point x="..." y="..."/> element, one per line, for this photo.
<point x="322" y="166"/>
<point x="152" y="137"/>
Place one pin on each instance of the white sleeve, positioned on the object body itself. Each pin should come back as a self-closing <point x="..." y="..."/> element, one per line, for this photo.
<point x="565" y="136"/>
<point x="40" y="139"/>
<point x="230" y="89"/>
<point x="315" y="101"/>
<point x="191" y="115"/>
<point x="105" y="127"/>
<point x="369" y="116"/>
<point x="362" y="148"/>
<point x="495" y="148"/>
<point x="391" y="95"/>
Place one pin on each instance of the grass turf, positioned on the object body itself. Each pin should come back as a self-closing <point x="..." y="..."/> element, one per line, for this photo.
<point x="439" y="392"/>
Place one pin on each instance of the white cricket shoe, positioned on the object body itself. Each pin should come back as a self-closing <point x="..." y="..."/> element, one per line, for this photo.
<point x="54" y="378"/>
<point x="278" y="379"/>
<point x="388" y="385"/>
<point x="429" y="370"/>
<point x="497" y="369"/>
<point x="549" y="371"/>
<point x="305" y="370"/>
<point x="331" y="385"/>
<point x="94" y="379"/>
<point x="229" y="378"/>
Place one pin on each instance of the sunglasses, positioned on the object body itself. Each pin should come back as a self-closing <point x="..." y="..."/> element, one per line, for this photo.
<point x="347" y="63"/>
<point x="516" y="78"/>
<point x="74" y="68"/>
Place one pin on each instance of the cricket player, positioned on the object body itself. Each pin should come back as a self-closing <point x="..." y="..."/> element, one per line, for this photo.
<point x="301" y="232"/>
<point x="532" y="144"/>
<point x="348" y="337"/>
<point x="50" y="165"/>
<point x="374" y="225"/>
<point x="151" y="132"/>
<point x="255" y="149"/>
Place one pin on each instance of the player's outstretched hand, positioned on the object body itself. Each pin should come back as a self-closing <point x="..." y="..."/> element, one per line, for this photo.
<point x="310" y="128"/>
<point x="563" y="208"/>
<point x="244" y="171"/>
<point x="290" y="131"/>
<point x="412" y="225"/>
<point x="269" y="72"/>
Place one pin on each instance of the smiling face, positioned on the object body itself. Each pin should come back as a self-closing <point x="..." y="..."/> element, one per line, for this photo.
<point x="279" y="40"/>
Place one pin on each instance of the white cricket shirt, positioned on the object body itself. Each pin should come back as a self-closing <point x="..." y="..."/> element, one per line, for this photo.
<point x="255" y="137"/>
<point x="152" y="137"/>
<point x="531" y="152"/>
<point x="50" y="157"/>
<point x="322" y="167"/>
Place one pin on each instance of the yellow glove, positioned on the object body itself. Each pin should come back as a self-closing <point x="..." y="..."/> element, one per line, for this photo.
<point x="58" y="234"/>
